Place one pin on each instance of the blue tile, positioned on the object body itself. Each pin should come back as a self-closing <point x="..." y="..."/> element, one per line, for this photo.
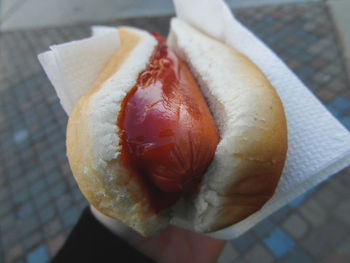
<point x="340" y="103"/>
<point x="345" y="121"/>
<point x="38" y="255"/>
<point x="297" y="255"/>
<point x="279" y="243"/>
<point x="244" y="242"/>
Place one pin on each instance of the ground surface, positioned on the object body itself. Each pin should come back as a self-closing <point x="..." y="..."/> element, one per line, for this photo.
<point x="40" y="202"/>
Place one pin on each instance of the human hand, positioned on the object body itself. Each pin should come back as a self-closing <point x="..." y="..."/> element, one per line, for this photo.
<point x="171" y="244"/>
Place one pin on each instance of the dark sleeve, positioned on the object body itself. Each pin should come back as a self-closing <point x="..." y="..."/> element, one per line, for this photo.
<point x="90" y="241"/>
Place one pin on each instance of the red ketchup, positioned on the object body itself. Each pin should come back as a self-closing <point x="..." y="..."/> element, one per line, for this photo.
<point x="168" y="135"/>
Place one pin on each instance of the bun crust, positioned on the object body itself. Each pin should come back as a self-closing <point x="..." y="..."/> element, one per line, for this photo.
<point x="249" y="114"/>
<point x="92" y="140"/>
<point x="248" y="160"/>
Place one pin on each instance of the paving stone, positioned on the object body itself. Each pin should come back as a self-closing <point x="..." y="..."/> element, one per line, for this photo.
<point x="38" y="255"/>
<point x="299" y="200"/>
<point x="46" y="213"/>
<point x="259" y="253"/>
<point x="29" y="224"/>
<point x="64" y="202"/>
<point x="240" y="260"/>
<point x="70" y="216"/>
<point x="336" y="113"/>
<point x="335" y="258"/>
<point x="279" y="243"/>
<point x="281" y="214"/>
<point x="55" y="243"/>
<point x="38" y="186"/>
<point x="334" y="84"/>
<point x="48" y="168"/>
<point x="344" y="248"/>
<point x="345" y="120"/>
<point x="58" y="190"/>
<point x="82" y="205"/>
<point x="32" y="175"/>
<point x="8" y="221"/>
<point x="264" y="228"/>
<point x="339" y="186"/>
<point x="228" y="254"/>
<point x="340" y="103"/>
<point x="28" y="101"/>
<point x="52" y="227"/>
<point x="42" y="199"/>
<point x="297" y="255"/>
<point x="313" y="212"/>
<point x="244" y="242"/>
<point x="71" y="181"/>
<point x="327" y="197"/>
<point x="295" y="226"/>
<point x="17" y="184"/>
<point x="14" y="253"/>
<point x="25" y="209"/>
<point x="65" y="169"/>
<point x="4" y="193"/>
<point x="21" y="196"/>
<point x="342" y="212"/>
<point x="77" y="195"/>
<point x="5" y="208"/>
<point x="323" y="238"/>
<point x="10" y="237"/>
<point x="32" y="240"/>
<point x="325" y="95"/>
<point x="53" y="177"/>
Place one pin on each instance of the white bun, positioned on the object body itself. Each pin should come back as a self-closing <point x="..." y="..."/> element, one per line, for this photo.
<point x="93" y="142"/>
<point x="249" y="115"/>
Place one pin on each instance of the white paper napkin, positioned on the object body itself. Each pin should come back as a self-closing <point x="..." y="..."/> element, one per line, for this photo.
<point x="319" y="145"/>
<point x="74" y="66"/>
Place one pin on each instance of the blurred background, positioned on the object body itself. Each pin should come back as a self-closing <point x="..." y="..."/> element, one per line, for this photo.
<point x="39" y="199"/>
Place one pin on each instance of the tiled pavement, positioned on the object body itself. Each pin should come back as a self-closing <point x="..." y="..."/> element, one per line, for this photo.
<point x="40" y="202"/>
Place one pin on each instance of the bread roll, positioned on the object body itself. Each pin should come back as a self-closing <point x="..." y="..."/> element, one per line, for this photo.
<point x="250" y="156"/>
<point x="248" y="114"/>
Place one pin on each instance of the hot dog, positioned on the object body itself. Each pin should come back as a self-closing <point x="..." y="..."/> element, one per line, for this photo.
<point x="190" y="129"/>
